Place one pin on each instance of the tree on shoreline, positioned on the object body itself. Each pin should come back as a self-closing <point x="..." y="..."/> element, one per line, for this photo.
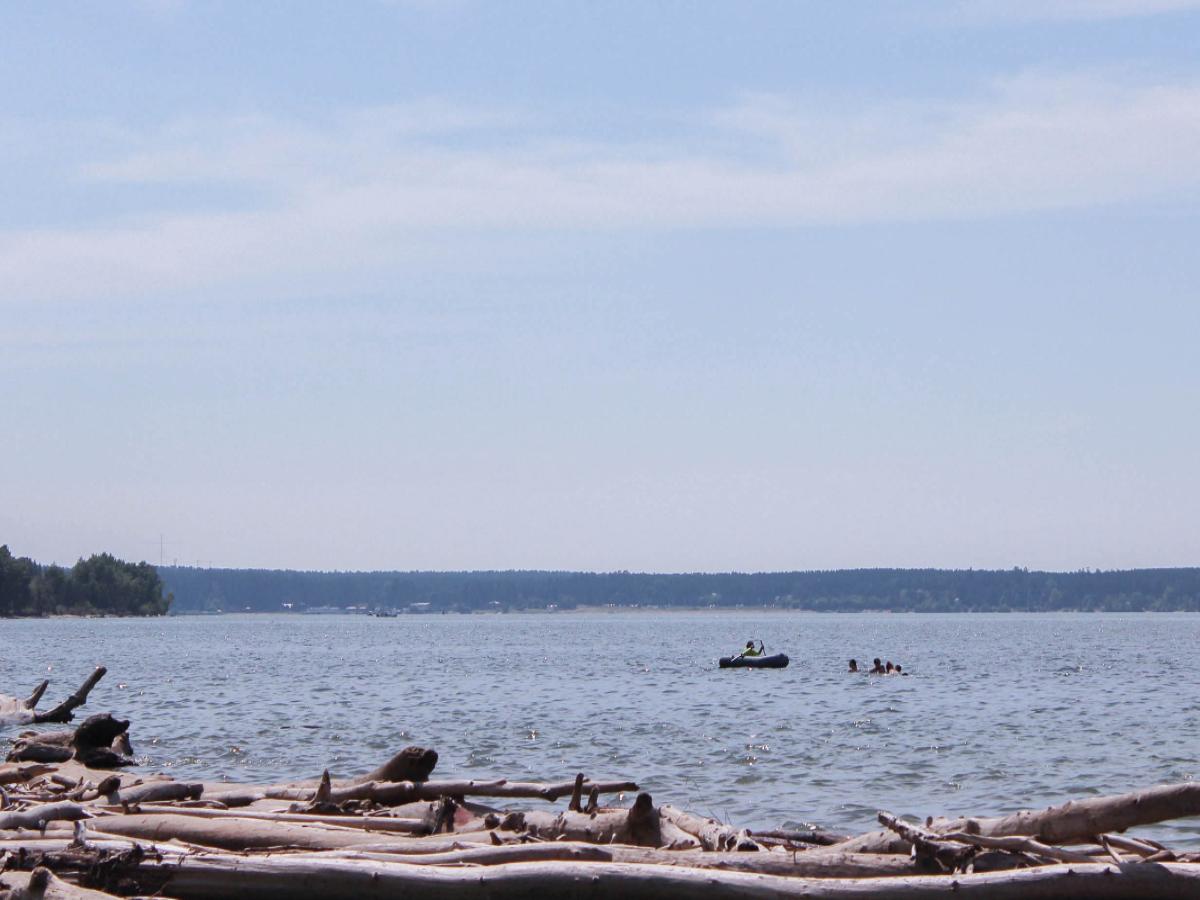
<point x="98" y="585"/>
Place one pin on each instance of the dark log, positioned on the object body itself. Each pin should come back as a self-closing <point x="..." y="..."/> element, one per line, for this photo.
<point x="236" y="797"/>
<point x="43" y="753"/>
<point x="102" y="758"/>
<point x="33" y="698"/>
<point x="155" y="792"/>
<point x="109" y="785"/>
<point x="440" y="816"/>
<point x="643" y="823"/>
<point x="98" y="731"/>
<point x="61" y="738"/>
<point x="321" y="802"/>
<point x="64" y="712"/>
<point x="575" y="804"/>
<point x="410" y="764"/>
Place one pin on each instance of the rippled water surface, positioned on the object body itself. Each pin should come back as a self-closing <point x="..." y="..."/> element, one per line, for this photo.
<point x="1001" y="712"/>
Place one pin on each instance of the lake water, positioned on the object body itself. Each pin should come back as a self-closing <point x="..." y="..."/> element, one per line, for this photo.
<point x="1001" y="712"/>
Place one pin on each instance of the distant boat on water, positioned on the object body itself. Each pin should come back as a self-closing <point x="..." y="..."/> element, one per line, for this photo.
<point x="777" y="661"/>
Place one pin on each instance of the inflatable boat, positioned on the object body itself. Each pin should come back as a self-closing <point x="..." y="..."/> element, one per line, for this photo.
<point x="776" y="661"/>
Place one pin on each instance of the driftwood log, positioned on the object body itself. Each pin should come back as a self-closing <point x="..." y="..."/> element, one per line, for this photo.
<point x="1081" y="820"/>
<point x="65" y="711"/>
<point x="394" y="831"/>
<point x="42" y="884"/>
<point x="1070" y="823"/>
<point x="207" y="876"/>
<point x="100" y="742"/>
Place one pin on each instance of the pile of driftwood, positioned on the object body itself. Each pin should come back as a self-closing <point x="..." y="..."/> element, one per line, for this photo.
<point x="72" y="828"/>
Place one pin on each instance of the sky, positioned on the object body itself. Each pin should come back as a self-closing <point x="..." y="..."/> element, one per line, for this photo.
<point x="670" y="286"/>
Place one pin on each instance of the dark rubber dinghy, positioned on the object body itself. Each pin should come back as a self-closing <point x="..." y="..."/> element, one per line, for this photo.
<point x="778" y="661"/>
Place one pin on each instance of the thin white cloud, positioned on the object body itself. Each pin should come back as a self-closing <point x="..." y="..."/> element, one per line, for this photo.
<point x="1065" y="10"/>
<point x="384" y="189"/>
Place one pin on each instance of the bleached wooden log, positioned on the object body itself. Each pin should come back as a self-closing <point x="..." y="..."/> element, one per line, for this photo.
<point x="1017" y="844"/>
<point x="602" y="827"/>
<point x="480" y="854"/>
<point x="39" y="845"/>
<point x="872" y="842"/>
<point x="639" y="825"/>
<point x="1075" y="822"/>
<point x="781" y="863"/>
<point x="37" y="817"/>
<point x="552" y="792"/>
<point x="814" y="836"/>
<point x="254" y="834"/>
<point x="1108" y="848"/>
<point x="1079" y="821"/>
<point x="41" y="884"/>
<point x="674" y="838"/>
<point x="266" y="878"/>
<point x="713" y="835"/>
<point x="14" y="774"/>
<point x="364" y="823"/>
<point x="1132" y="845"/>
<point x="934" y="850"/>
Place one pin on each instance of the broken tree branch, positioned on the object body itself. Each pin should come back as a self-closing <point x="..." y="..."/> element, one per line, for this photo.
<point x="64" y="712"/>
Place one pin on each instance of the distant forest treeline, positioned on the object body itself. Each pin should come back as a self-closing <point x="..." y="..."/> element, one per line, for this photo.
<point x="846" y="590"/>
<point x="99" y="585"/>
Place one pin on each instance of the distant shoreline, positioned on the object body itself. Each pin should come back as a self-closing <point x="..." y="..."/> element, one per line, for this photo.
<point x="843" y="590"/>
<point x="593" y="610"/>
<point x="603" y="610"/>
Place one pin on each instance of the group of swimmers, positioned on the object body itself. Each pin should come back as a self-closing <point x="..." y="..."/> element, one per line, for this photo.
<point x="878" y="668"/>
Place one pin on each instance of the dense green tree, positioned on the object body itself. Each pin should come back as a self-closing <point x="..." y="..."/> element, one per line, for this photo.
<point x="99" y="585"/>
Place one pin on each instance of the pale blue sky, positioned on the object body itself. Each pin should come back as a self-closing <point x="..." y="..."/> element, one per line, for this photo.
<point x="651" y="286"/>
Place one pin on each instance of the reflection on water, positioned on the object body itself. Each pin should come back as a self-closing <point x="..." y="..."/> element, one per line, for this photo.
<point x="1000" y="712"/>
